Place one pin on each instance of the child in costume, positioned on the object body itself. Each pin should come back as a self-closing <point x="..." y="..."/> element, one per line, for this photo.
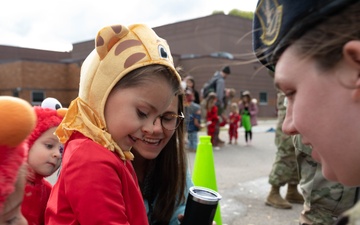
<point x="126" y="84"/>
<point x="212" y="118"/>
<point x="248" y="111"/>
<point x="18" y="121"/>
<point x="193" y="120"/>
<point x="44" y="159"/>
<point x="234" y="119"/>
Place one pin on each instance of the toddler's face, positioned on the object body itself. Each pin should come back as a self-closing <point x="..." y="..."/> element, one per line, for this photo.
<point x="130" y="113"/>
<point x="44" y="155"/>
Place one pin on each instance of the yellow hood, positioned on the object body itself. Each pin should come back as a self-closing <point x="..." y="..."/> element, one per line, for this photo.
<point x="118" y="50"/>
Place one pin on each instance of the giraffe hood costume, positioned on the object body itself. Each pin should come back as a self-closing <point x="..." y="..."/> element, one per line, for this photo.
<point x="119" y="50"/>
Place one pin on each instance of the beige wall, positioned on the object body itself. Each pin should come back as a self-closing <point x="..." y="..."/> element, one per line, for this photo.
<point x="56" y="80"/>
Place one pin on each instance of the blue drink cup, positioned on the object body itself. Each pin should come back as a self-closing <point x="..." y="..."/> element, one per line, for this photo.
<point x="201" y="206"/>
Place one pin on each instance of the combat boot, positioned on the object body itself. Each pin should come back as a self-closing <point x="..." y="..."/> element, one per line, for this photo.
<point x="293" y="194"/>
<point x="275" y="200"/>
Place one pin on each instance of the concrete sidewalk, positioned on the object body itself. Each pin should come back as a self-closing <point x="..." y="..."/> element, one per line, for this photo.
<point x="242" y="179"/>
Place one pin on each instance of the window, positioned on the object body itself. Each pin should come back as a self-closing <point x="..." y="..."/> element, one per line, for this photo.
<point x="37" y="97"/>
<point x="263" y="98"/>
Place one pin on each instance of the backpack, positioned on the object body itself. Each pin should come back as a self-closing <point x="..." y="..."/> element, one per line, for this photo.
<point x="208" y="87"/>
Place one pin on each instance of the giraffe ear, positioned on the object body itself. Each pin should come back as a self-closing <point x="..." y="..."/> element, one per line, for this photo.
<point x="107" y="37"/>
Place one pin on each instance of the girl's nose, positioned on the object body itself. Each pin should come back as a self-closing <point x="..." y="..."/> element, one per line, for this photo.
<point x="153" y="127"/>
<point x="157" y="125"/>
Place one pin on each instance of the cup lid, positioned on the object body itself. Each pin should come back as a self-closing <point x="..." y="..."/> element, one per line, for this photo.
<point x="204" y="195"/>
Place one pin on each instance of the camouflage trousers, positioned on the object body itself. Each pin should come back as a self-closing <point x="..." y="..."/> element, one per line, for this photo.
<point x="284" y="169"/>
<point x="324" y="200"/>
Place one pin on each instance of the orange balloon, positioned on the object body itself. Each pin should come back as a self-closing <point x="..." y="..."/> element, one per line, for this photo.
<point x="18" y="119"/>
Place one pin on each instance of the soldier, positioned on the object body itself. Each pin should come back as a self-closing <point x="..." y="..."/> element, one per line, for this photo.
<point x="324" y="200"/>
<point x="284" y="170"/>
<point x="314" y="48"/>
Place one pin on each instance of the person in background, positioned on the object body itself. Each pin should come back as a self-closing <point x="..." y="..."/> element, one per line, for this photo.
<point x="193" y="120"/>
<point x="248" y="111"/>
<point x="160" y="156"/>
<point x="190" y="83"/>
<point x="217" y="85"/>
<point x="325" y="200"/>
<point x="126" y="85"/>
<point x="229" y="95"/>
<point x="284" y="169"/>
<point x="44" y="159"/>
<point x="212" y="119"/>
<point x="314" y="50"/>
<point x="234" y="120"/>
<point x="19" y="120"/>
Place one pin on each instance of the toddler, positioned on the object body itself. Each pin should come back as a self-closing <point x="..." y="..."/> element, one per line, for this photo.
<point x="212" y="118"/>
<point x="234" y="119"/>
<point x="44" y="159"/>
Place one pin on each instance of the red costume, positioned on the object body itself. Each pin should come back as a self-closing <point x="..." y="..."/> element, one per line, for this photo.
<point x="212" y="119"/>
<point x="18" y="121"/>
<point x="37" y="189"/>
<point x="37" y="192"/>
<point x="234" y="119"/>
<point x="113" y="196"/>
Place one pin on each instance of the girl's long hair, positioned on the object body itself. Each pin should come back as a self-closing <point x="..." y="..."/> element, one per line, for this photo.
<point x="169" y="175"/>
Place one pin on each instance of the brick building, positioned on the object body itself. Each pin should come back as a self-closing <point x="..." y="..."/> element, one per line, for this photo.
<point x="200" y="46"/>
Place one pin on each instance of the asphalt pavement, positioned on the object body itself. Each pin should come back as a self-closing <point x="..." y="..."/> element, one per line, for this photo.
<point x="242" y="179"/>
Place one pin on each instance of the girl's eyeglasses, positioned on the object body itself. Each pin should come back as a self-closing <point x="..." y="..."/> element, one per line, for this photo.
<point x="171" y="121"/>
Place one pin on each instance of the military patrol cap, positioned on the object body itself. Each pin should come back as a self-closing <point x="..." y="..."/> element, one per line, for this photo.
<point x="277" y="23"/>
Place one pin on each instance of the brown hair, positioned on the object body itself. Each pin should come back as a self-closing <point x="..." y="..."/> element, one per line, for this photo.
<point x="170" y="166"/>
<point x="210" y="99"/>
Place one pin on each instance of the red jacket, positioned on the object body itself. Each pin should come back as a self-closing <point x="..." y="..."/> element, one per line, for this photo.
<point x="37" y="191"/>
<point x="212" y="118"/>
<point x="94" y="187"/>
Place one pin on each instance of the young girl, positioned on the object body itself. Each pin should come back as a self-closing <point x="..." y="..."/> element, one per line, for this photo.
<point x="234" y="119"/>
<point x="126" y="85"/>
<point x="18" y="121"/>
<point x="248" y="111"/>
<point x="212" y="118"/>
<point x="44" y="159"/>
<point x="193" y="120"/>
<point x="161" y="156"/>
<point x="316" y="51"/>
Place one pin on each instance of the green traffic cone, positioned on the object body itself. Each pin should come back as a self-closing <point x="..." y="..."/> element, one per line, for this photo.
<point x="204" y="170"/>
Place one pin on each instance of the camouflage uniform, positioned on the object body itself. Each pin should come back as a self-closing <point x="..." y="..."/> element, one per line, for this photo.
<point x="324" y="200"/>
<point x="284" y="169"/>
<point x="350" y="217"/>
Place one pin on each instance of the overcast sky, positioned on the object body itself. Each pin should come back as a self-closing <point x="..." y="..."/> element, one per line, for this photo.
<point x="55" y="25"/>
